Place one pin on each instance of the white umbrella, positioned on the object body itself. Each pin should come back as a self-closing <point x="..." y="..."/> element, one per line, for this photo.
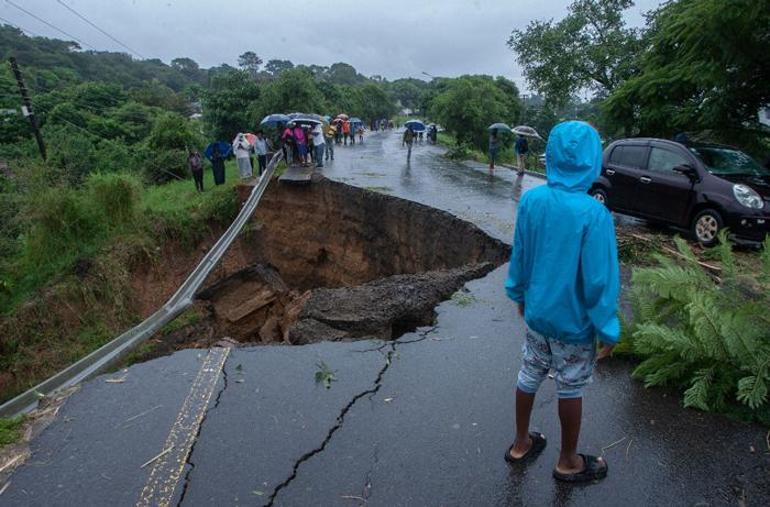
<point x="524" y="130"/>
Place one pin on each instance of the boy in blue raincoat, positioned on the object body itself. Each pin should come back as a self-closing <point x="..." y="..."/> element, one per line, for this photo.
<point x="564" y="275"/>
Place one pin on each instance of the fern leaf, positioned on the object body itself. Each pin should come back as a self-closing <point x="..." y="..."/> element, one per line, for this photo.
<point x="705" y="319"/>
<point x="697" y="395"/>
<point x="752" y="391"/>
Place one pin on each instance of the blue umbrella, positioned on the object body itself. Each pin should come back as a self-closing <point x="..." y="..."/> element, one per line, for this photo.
<point x="415" y="125"/>
<point x="224" y="149"/>
<point x="274" y="120"/>
<point x="501" y="127"/>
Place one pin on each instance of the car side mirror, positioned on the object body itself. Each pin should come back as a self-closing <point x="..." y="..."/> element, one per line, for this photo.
<point x="687" y="170"/>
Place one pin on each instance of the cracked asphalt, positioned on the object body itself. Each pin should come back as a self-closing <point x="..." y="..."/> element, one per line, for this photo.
<point x="424" y="420"/>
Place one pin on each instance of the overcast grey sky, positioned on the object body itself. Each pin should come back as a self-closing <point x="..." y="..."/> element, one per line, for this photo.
<point x="393" y="38"/>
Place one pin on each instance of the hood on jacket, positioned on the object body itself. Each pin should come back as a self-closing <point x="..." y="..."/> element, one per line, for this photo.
<point x="573" y="156"/>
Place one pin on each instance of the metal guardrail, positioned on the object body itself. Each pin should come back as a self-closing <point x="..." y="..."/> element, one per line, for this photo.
<point x="111" y="353"/>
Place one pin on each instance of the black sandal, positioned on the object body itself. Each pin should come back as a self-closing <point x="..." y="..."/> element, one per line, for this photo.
<point x="593" y="470"/>
<point x="538" y="444"/>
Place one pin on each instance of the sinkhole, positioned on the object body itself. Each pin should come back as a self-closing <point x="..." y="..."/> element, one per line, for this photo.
<point x="330" y="261"/>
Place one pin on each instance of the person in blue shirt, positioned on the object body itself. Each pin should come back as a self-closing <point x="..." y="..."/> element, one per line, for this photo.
<point x="564" y="275"/>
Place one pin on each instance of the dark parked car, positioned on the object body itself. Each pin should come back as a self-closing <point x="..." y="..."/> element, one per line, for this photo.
<point x="700" y="187"/>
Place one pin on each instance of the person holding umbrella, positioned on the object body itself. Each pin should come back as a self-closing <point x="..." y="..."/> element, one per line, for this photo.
<point x="522" y="148"/>
<point x="408" y="140"/>
<point x="216" y="152"/>
<point x="346" y="131"/>
<point x="242" y="150"/>
<point x="494" y="147"/>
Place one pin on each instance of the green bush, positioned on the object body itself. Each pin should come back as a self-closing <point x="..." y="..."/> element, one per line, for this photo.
<point x="62" y="223"/>
<point x="116" y="196"/>
<point x="707" y="334"/>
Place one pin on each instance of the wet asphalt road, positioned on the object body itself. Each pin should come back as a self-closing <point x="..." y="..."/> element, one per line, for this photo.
<point x="422" y="421"/>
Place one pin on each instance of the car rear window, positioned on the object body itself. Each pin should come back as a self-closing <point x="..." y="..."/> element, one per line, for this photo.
<point x="629" y="156"/>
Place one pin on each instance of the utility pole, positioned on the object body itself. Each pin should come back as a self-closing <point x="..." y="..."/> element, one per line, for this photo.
<point x="26" y="106"/>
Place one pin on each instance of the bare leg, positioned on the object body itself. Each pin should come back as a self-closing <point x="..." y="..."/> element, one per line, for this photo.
<point x="524" y="403"/>
<point x="570" y="414"/>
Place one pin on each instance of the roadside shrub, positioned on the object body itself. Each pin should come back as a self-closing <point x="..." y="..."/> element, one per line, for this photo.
<point x="62" y="224"/>
<point x="706" y="333"/>
<point x="460" y="151"/>
<point x="115" y="196"/>
<point x="166" y="165"/>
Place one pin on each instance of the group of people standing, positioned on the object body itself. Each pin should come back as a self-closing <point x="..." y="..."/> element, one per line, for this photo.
<point x="244" y="147"/>
<point x="304" y="143"/>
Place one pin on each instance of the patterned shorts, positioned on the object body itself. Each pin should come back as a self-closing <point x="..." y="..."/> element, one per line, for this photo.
<point x="572" y="364"/>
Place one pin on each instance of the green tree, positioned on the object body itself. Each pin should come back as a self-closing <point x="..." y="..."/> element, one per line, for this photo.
<point x="171" y="138"/>
<point x="227" y="101"/>
<point x="294" y="90"/>
<point x="590" y="49"/>
<point x="344" y="74"/>
<point x="706" y="67"/>
<point x="276" y="67"/>
<point x="408" y="91"/>
<point x="469" y="104"/>
<point x="250" y="62"/>
<point x="376" y="102"/>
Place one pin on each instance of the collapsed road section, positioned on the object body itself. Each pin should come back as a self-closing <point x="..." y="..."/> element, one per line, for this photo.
<point x="332" y="262"/>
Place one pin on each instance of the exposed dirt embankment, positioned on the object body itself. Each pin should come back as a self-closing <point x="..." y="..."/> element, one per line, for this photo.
<point x="335" y="262"/>
<point x="329" y="234"/>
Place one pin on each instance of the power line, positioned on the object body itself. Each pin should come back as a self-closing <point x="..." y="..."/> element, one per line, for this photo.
<point x="76" y="13"/>
<point x="22" y="9"/>
<point x="20" y="28"/>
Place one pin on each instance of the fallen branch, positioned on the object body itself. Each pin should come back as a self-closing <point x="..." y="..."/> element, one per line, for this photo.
<point x="613" y="444"/>
<point x="701" y="263"/>
<point x="163" y="453"/>
<point x="10" y="463"/>
<point x="143" y="413"/>
<point x="353" y="497"/>
<point x="5" y="486"/>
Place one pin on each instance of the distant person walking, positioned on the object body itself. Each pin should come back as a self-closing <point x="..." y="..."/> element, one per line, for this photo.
<point x="408" y="140"/>
<point x="360" y="133"/>
<point x="319" y="144"/>
<point x="242" y="150"/>
<point x="218" y="165"/>
<point x="522" y="149"/>
<point x="494" y="147"/>
<point x="330" y="135"/>
<point x="195" y="163"/>
<point x="261" y="145"/>
<point x="564" y="276"/>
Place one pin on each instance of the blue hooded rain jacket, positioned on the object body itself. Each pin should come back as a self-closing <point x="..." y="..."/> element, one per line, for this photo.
<point x="564" y="264"/>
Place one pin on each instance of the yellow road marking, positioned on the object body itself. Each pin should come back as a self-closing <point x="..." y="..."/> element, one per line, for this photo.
<point x="165" y="474"/>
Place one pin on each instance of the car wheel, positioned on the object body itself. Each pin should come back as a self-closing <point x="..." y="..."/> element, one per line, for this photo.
<point x="706" y="227"/>
<point x="600" y="195"/>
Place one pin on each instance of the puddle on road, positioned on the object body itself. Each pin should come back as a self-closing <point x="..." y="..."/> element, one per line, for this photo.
<point x="329" y="261"/>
